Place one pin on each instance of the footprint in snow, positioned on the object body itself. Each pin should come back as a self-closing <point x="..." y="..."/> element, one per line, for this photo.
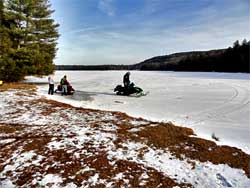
<point x="223" y="180"/>
<point x="120" y="102"/>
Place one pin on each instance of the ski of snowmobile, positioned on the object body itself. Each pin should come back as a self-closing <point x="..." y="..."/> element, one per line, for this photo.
<point x="142" y="94"/>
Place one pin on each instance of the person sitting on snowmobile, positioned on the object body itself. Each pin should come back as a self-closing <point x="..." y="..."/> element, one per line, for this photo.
<point x="126" y="80"/>
<point x="64" y="82"/>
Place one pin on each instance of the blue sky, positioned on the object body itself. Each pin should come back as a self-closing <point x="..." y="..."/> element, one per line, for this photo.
<point x="129" y="31"/>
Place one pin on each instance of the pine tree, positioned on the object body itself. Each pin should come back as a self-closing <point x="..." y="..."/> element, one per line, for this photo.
<point x="236" y="44"/>
<point x="33" y="35"/>
<point x="2" y="30"/>
<point x="45" y="34"/>
<point x="8" y="69"/>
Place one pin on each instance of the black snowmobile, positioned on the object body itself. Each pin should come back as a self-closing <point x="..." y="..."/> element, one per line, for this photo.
<point x="131" y="89"/>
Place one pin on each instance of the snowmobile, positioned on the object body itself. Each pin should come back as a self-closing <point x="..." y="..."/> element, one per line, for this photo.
<point x="70" y="90"/>
<point x="131" y="89"/>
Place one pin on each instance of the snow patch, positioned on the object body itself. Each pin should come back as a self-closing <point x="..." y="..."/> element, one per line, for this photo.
<point x="53" y="179"/>
<point x="203" y="175"/>
<point x="6" y="141"/>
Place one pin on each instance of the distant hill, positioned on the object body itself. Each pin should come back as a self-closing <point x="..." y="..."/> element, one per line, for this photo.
<point x="232" y="59"/>
<point x="174" y="61"/>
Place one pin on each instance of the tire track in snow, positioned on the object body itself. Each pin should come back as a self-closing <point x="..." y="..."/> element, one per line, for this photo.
<point x="241" y="96"/>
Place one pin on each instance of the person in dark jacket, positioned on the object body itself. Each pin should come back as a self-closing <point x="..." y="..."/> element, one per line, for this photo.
<point x="64" y="83"/>
<point x="126" y="80"/>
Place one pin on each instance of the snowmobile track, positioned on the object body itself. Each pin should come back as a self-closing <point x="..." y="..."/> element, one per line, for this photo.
<point x="241" y="96"/>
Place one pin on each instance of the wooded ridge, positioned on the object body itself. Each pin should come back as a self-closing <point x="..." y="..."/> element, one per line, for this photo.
<point x="232" y="59"/>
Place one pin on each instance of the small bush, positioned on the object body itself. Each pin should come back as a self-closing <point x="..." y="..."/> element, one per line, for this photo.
<point x="215" y="137"/>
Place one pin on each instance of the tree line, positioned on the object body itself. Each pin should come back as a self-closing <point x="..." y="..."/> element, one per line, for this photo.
<point x="28" y="38"/>
<point x="232" y="59"/>
<point x="92" y="67"/>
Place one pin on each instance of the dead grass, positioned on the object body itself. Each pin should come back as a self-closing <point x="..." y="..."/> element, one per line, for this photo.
<point x="71" y="167"/>
<point x="36" y="144"/>
<point x="4" y="128"/>
<point x="180" y="141"/>
<point x="17" y="85"/>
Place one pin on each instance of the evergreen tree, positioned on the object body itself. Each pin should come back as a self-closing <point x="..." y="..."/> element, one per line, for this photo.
<point x="244" y="42"/>
<point x="8" y="69"/>
<point x="32" y="34"/>
<point x="236" y="44"/>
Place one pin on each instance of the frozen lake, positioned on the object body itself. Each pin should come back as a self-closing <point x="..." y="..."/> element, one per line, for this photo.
<point x="207" y="102"/>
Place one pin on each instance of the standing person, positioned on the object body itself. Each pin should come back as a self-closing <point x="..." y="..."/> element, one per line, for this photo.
<point x="126" y="80"/>
<point x="64" y="84"/>
<point x="51" y="86"/>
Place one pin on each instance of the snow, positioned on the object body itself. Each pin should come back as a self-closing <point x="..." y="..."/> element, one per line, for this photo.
<point x="74" y="132"/>
<point x="70" y="185"/>
<point x="205" y="174"/>
<point x="6" y="141"/>
<point x="94" y="179"/>
<point x="143" y="179"/>
<point x="119" y="176"/>
<point x="16" y="164"/>
<point x="20" y="159"/>
<point x="7" y="183"/>
<point x="206" y="102"/>
<point x="51" y="178"/>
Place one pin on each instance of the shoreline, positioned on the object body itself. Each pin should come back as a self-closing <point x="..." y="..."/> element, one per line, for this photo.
<point x="200" y="134"/>
<point x="209" y="103"/>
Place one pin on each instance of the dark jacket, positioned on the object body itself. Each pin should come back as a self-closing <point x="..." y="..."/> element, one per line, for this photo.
<point x="126" y="80"/>
<point x="64" y="81"/>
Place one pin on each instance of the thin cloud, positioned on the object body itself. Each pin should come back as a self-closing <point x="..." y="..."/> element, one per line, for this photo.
<point x="128" y="47"/>
<point x="217" y="25"/>
<point x="107" y="7"/>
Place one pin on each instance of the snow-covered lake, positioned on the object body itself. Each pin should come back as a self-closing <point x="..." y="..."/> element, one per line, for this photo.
<point x="209" y="103"/>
